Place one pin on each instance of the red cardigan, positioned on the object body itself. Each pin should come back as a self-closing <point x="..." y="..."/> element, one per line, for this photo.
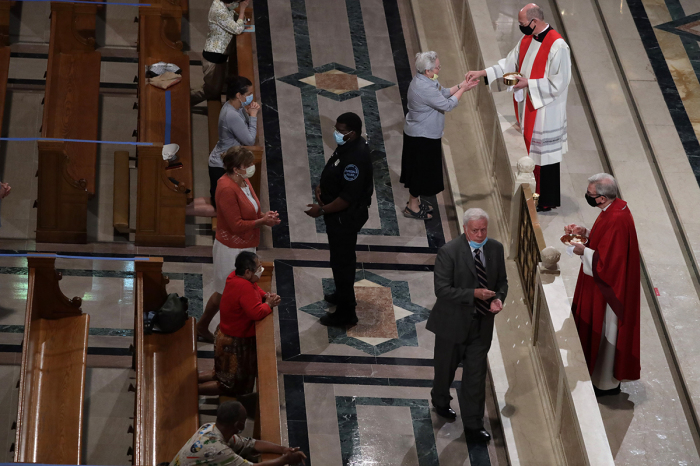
<point x="241" y="306"/>
<point x="235" y="215"/>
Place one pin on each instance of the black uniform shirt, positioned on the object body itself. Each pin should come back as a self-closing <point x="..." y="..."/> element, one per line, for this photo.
<point x="348" y="174"/>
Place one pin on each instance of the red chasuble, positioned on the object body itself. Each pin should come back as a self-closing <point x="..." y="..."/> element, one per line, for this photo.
<point x="615" y="282"/>
<point x="537" y="72"/>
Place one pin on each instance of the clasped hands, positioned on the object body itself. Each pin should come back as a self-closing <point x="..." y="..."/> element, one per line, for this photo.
<point x="573" y="229"/>
<point x="315" y="209"/>
<point x="477" y="75"/>
<point x="270" y="218"/>
<point x="4" y="190"/>
<point x="293" y="455"/>
<point x="272" y="299"/>
<point x="484" y="295"/>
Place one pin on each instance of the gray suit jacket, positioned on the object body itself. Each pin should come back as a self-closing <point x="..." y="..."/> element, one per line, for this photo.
<point x="455" y="282"/>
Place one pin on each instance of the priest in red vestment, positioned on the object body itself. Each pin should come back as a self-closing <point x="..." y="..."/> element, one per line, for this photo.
<point x="606" y="300"/>
<point x="543" y="59"/>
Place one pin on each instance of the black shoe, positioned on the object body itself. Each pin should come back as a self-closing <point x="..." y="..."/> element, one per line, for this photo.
<point x="612" y="391"/>
<point x="338" y="320"/>
<point x="543" y="209"/>
<point x="446" y="412"/>
<point x="477" y="435"/>
<point x="330" y="298"/>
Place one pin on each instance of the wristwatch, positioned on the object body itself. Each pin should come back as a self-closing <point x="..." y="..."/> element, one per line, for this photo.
<point x="323" y="212"/>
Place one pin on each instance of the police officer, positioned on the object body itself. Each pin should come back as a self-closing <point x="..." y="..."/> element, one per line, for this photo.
<point x="344" y="195"/>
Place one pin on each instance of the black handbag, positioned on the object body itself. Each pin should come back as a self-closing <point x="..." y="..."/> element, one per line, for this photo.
<point x="170" y="318"/>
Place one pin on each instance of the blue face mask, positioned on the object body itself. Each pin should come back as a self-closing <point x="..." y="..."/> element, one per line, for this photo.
<point x="339" y="138"/>
<point x="476" y="245"/>
<point x="248" y="100"/>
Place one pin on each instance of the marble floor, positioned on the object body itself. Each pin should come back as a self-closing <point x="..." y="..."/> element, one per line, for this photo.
<point x="356" y="396"/>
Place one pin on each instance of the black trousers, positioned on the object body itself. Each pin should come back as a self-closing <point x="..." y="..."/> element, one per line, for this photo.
<point x="342" y="241"/>
<point x="548" y="183"/>
<point x="472" y="395"/>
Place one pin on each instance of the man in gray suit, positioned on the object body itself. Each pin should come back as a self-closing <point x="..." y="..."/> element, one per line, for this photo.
<point x="470" y="285"/>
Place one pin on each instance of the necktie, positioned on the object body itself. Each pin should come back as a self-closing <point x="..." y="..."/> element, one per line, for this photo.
<point x="482" y="307"/>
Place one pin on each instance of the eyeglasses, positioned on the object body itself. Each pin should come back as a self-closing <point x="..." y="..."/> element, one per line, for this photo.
<point x="594" y="197"/>
<point x="439" y="67"/>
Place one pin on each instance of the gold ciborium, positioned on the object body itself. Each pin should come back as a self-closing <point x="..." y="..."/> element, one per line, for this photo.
<point x="510" y="79"/>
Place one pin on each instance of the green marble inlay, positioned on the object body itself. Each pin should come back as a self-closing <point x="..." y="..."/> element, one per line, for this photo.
<point x="106" y="332"/>
<point x="349" y="428"/>
<point x="405" y="326"/>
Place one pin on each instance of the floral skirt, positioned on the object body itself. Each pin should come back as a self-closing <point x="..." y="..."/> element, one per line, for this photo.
<point x="235" y="364"/>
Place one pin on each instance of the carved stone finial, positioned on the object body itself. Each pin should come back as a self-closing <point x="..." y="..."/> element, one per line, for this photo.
<point x="550" y="258"/>
<point x="526" y="167"/>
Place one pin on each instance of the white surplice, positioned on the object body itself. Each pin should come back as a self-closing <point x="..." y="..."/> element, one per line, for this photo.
<point x="548" y="96"/>
<point x="602" y="376"/>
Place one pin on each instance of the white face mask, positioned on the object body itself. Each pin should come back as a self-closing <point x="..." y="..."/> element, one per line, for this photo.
<point x="260" y="271"/>
<point x="249" y="172"/>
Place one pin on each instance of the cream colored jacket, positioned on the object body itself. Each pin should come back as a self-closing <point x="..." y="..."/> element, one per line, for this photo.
<point x="222" y="27"/>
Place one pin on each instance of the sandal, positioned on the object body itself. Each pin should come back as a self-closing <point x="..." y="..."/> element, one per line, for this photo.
<point x="424" y="206"/>
<point x="205" y="336"/>
<point x="420" y="215"/>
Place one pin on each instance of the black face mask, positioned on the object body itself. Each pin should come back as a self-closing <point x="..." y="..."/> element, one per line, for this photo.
<point x="527" y="30"/>
<point x="591" y="200"/>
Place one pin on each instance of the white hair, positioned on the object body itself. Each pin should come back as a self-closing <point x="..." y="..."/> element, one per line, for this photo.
<point x="605" y="185"/>
<point x="474" y="214"/>
<point x="425" y="61"/>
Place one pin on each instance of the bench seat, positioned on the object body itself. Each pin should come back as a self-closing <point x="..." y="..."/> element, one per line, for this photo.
<point x="52" y="377"/>
<point x="167" y="401"/>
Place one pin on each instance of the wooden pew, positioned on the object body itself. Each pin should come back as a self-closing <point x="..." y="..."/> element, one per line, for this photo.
<point x="121" y="192"/>
<point x="162" y="194"/>
<point x="4" y="52"/>
<point x="71" y="106"/>
<point x="52" y="375"/>
<point x="167" y="402"/>
<point x="267" y="418"/>
<point x="246" y="67"/>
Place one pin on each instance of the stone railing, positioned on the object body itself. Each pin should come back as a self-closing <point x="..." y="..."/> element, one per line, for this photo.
<point x="575" y="424"/>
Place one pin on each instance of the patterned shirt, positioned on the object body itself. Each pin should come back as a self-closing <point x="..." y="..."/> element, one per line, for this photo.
<point x="208" y="447"/>
<point x="222" y="27"/>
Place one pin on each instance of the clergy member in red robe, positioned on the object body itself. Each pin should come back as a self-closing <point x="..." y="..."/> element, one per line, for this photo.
<point x="543" y="59"/>
<point x="606" y="300"/>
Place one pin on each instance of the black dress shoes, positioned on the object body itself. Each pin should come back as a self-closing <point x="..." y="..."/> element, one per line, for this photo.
<point x="612" y="391"/>
<point x="337" y="319"/>
<point x="446" y="412"/>
<point x="330" y="298"/>
<point x="477" y="435"/>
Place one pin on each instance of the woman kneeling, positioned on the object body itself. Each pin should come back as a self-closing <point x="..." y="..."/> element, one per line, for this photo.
<point x="235" y="357"/>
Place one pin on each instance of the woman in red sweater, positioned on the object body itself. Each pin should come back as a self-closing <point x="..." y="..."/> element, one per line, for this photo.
<point x="239" y="219"/>
<point x="235" y="356"/>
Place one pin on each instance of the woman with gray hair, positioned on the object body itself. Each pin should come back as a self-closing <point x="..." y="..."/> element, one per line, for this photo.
<point x="421" y="160"/>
